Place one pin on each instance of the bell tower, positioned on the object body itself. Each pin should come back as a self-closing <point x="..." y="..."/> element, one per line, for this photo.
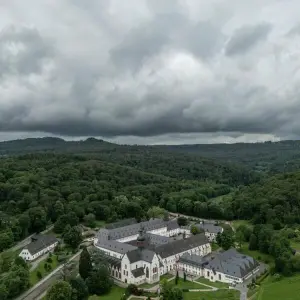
<point x="141" y="239"/>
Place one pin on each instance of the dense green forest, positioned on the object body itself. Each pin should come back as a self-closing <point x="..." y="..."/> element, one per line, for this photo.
<point x="50" y="181"/>
<point x="266" y="157"/>
<point x="37" y="189"/>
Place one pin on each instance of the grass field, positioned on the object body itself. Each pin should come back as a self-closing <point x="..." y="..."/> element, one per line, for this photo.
<point x="237" y="223"/>
<point x="295" y="245"/>
<point x="166" y="276"/>
<point x="218" y="295"/>
<point x="115" y="294"/>
<point x="214" y="284"/>
<point x="40" y="268"/>
<point x="100" y="224"/>
<point x="286" y="289"/>
<point x="268" y="259"/>
<point x="188" y="284"/>
<point x="147" y="285"/>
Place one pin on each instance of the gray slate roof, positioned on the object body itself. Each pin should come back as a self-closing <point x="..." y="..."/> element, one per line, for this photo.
<point x="140" y="254"/>
<point x="121" y="223"/>
<point x="192" y="259"/>
<point x="181" y="245"/>
<point x="138" y="272"/>
<point x="210" y="227"/>
<point x="171" y="225"/>
<point x="151" y="241"/>
<point x="133" y="229"/>
<point x="40" y="242"/>
<point x="115" y="246"/>
<point x="114" y="261"/>
<point x="232" y="263"/>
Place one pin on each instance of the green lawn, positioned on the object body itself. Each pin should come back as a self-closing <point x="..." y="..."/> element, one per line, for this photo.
<point x="237" y="223"/>
<point x="286" y="289"/>
<point x="295" y="245"/>
<point x="215" y="247"/>
<point x="188" y="284"/>
<point x="147" y="285"/>
<point x="100" y="224"/>
<point x="40" y="268"/>
<point x="268" y="259"/>
<point x="216" y="284"/>
<point x="217" y="295"/>
<point x="166" y="276"/>
<point x="115" y="294"/>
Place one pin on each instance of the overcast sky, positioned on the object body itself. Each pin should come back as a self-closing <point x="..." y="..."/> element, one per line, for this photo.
<point x="150" y="71"/>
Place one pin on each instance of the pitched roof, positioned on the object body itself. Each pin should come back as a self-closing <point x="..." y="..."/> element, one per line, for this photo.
<point x="121" y="223"/>
<point x="138" y="272"/>
<point x="140" y="254"/>
<point x="40" y="242"/>
<point x="114" y="261"/>
<point x="232" y="263"/>
<point x="115" y="246"/>
<point x="192" y="259"/>
<point x="171" y="225"/>
<point x="179" y="246"/>
<point x="210" y="227"/>
<point x="133" y="229"/>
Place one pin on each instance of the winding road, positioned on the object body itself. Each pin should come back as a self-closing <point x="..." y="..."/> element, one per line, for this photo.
<point x="41" y="287"/>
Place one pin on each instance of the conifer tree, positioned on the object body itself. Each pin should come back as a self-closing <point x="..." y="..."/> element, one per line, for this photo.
<point x="85" y="264"/>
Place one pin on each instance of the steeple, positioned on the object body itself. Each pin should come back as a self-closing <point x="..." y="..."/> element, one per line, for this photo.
<point x="141" y="239"/>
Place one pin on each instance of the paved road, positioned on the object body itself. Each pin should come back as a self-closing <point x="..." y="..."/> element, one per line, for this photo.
<point x="41" y="287"/>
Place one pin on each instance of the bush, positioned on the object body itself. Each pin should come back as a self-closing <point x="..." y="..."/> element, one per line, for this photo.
<point x="185" y="290"/>
<point x="61" y="258"/>
<point x="49" y="260"/>
<point x="39" y="275"/>
<point x="261" y="278"/>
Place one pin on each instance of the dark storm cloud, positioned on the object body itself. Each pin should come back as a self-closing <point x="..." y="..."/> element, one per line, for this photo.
<point x="154" y="68"/>
<point x="246" y="37"/>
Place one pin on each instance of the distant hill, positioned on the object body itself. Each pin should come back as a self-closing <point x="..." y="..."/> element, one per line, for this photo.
<point x="158" y="160"/>
<point x="270" y="157"/>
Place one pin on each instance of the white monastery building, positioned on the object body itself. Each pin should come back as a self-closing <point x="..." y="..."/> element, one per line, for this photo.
<point x="211" y="230"/>
<point x="40" y="244"/>
<point x="142" y="252"/>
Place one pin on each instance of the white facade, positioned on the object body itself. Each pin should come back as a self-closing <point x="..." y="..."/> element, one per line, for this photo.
<point x="27" y="256"/>
<point x="171" y="263"/>
<point x="143" y="271"/>
<point x="213" y="275"/>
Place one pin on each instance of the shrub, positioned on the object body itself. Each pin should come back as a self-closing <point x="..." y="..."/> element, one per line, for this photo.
<point x="39" y="275"/>
<point x="49" y="260"/>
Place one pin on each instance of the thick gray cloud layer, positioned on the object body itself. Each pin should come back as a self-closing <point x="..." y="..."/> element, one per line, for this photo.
<point x="173" y="69"/>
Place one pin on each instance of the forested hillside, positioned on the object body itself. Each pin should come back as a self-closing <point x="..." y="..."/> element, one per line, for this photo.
<point x="275" y="200"/>
<point x="67" y="183"/>
<point x="267" y="157"/>
<point x="42" y="188"/>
